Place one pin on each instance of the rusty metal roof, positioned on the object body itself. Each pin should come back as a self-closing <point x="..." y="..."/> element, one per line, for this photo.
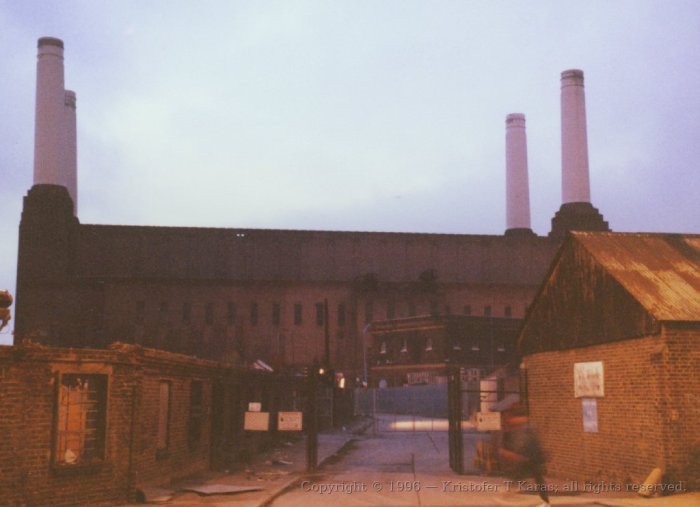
<point x="661" y="271"/>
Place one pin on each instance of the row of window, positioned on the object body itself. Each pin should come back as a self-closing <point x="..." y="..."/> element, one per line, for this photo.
<point x="298" y="317"/>
<point x="434" y="310"/>
<point x="232" y="313"/>
<point x="474" y="347"/>
<point x="81" y="418"/>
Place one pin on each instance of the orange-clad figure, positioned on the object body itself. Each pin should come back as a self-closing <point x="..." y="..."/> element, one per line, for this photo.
<point x="520" y="453"/>
<point x="5" y="302"/>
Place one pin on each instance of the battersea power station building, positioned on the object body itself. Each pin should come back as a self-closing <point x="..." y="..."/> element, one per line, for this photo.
<point x="287" y="297"/>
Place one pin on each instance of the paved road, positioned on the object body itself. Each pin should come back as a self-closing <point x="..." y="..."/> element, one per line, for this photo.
<point x="399" y="468"/>
<point x="385" y="468"/>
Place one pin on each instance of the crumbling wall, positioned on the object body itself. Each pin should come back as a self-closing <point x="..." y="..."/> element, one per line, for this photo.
<point x="31" y="473"/>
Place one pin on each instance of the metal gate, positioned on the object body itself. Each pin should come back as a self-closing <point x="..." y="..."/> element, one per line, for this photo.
<point x="471" y="450"/>
<point x="454" y="407"/>
<point x="412" y="408"/>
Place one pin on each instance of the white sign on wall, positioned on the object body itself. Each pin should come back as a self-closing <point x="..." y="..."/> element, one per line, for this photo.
<point x="289" y="421"/>
<point x="589" y="410"/>
<point x="588" y="380"/>
<point x="256" y="421"/>
<point x="488" y="421"/>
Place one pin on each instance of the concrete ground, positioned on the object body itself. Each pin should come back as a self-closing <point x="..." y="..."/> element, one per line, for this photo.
<point x="386" y="468"/>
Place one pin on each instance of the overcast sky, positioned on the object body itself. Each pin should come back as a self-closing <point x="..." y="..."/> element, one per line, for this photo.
<point x="355" y="115"/>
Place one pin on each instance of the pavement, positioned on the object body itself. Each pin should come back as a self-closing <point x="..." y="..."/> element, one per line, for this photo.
<point x="273" y="472"/>
<point x="364" y="465"/>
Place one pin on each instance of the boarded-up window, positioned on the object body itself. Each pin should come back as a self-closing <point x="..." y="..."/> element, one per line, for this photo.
<point x="164" y="416"/>
<point x="80" y="421"/>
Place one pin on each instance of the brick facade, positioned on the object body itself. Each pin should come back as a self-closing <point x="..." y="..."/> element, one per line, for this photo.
<point x="215" y="292"/>
<point x="31" y="471"/>
<point x="648" y="418"/>
<point x="422" y="349"/>
<point x="632" y="303"/>
<point x="680" y="364"/>
<point x="629" y="441"/>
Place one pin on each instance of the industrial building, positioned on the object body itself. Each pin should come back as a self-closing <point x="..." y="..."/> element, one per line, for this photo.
<point x="422" y="350"/>
<point x="289" y="297"/>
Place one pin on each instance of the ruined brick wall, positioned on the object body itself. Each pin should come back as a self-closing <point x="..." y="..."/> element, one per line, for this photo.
<point x="632" y="416"/>
<point x="182" y="458"/>
<point x="27" y="406"/>
<point x="29" y="475"/>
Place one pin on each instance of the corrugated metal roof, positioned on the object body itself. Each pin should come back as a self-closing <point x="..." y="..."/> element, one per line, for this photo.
<point x="661" y="271"/>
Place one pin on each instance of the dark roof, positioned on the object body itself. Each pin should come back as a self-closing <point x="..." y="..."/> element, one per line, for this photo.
<point x="660" y="271"/>
<point x="258" y="254"/>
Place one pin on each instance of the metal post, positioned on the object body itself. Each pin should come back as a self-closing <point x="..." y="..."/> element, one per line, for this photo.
<point x="455" y="420"/>
<point x="374" y="409"/>
<point x="312" y="420"/>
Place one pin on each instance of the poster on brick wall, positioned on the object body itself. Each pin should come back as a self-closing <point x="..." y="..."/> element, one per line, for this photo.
<point x="589" y="410"/>
<point x="588" y="380"/>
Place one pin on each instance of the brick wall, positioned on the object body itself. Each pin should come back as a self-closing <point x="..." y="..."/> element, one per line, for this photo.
<point x="632" y="416"/>
<point x="179" y="460"/>
<point x="681" y="366"/>
<point x="28" y="376"/>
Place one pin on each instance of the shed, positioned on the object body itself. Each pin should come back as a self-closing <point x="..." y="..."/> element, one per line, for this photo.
<point x="611" y="348"/>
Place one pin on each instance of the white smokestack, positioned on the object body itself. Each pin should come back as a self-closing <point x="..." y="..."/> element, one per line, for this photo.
<point x="575" y="182"/>
<point x="517" y="185"/>
<point x="69" y="167"/>
<point x="50" y="113"/>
